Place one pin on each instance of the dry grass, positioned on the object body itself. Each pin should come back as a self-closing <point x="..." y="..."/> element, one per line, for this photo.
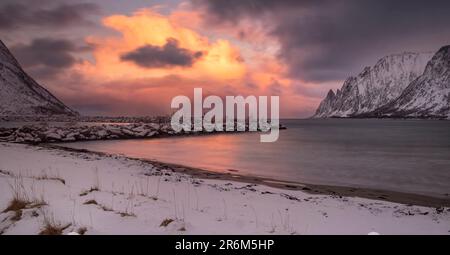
<point x="90" y="202"/>
<point x="95" y="187"/>
<point x="17" y="215"/>
<point x="127" y="214"/>
<point x="21" y="200"/>
<point x="48" y="178"/>
<point x="53" y="230"/>
<point x="87" y="192"/>
<point x="51" y="227"/>
<point x="16" y="204"/>
<point x="82" y="231"/>
<point x="44" y="176"/>
<point x="166" y="222"/>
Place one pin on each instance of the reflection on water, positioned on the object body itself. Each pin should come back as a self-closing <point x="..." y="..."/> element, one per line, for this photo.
<point x="403" y="155"/>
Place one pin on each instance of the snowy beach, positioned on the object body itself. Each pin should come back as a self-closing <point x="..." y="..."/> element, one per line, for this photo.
<point x="210" y="117"/>
<point x="48" y="190"/>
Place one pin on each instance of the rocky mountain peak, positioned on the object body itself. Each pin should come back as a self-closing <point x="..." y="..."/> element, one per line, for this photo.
<point x="440" y="63"/>
<point x="21" y="95"/>
<point x="375" y="86"/>
<point x="6" y="57"/>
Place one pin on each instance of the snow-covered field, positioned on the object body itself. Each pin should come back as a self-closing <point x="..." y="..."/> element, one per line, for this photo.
<point x="62" y="191"/>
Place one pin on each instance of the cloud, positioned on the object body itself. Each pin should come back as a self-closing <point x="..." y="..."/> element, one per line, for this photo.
<point x="142" y="41"/>
<point x="18" y="15"/>
<point x="109" y="85"/>
<point x="326" y="40"/>
<point x="45" y="57"/>
<point x="169" y="55"/>
<point x="136" y="70"/>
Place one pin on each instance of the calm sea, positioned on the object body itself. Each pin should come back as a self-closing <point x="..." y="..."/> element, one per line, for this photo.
<point x="402" y="155"/>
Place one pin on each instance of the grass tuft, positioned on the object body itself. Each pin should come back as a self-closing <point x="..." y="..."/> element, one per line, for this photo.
<point x="21" y="200"/>
<point x="16" y="204"/>
<point x="51" y="227"/>
<point x="82" y="231"/>
<point x="17" y="216"/>
<point x="53" y="230"/>
<point x="166" y="222"/>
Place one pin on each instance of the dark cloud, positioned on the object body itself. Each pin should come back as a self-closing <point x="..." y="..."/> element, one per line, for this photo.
<point x="14" y="15"/>
<point x="45" y="57"/>
<point x="310" y="92"/>
<point x="169" y="55"/>
<point x="324" y="40"/>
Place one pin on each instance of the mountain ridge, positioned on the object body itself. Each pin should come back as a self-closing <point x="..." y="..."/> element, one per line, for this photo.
<point x="371" y="92"/>
<point x="21" y="95"/>
<point x="428" y="96"/>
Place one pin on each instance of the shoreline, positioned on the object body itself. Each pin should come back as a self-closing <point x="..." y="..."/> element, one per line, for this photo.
<point x="313" y="189"/>
<point x="78" y="191"/>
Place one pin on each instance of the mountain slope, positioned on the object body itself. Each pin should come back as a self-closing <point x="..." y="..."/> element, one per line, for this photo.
<point x="428" y="95"/>
<point x="20" y="95"/>
<point x="374" y="86"/>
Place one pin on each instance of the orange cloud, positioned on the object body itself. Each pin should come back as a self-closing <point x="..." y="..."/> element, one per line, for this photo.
<point x="220" y="61"/>
<point x="230" y="64"/>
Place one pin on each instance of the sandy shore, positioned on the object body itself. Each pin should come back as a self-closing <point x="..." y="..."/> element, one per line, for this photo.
<point x="94" y="193"/>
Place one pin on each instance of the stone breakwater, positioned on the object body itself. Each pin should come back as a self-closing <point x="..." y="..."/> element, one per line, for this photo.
<point x="48" y="134"/>
<point x="34" y="134"/>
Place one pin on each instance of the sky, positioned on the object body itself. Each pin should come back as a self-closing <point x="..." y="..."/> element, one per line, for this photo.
<point x="132" y="57"/>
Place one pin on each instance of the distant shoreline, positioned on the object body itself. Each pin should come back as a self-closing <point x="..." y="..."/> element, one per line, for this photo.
<point x="148" y="119"/>
<point x="381" y="118"/>
<point x="339" y="191"/>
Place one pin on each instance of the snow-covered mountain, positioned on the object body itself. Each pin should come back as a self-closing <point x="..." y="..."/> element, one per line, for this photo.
<point x="20" y="95"/>
<point x="428" y="95"/>
<point x="375" y="86"/>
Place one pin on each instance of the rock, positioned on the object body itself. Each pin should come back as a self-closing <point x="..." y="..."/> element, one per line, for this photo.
<point x="142" y="134"/>
<point x="114" y="130"/>
<point x="139" y="129"/>
<point x="19" y="140"/>
<point x="46" y="133"/>
<point x="154" y="126"/>
<point x="152" y="133"/>
<point x="439" y="210"/>
<point x="102" y="133"/>
<point x="54" y="136"/>
<point x="69" y="139"/>
<point x="127" y="132"/>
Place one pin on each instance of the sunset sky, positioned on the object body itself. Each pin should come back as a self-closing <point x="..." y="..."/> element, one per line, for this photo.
<point x="132" y="57"/>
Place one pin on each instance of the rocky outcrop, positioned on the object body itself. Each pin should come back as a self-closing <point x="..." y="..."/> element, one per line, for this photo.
<point x="34" y="134"/>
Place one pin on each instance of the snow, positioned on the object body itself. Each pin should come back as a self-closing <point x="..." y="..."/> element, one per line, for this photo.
<point x="428" y="95"/>
<point x="135" y="197"/>
<point x="375" y="86"/>
<point x="20" y="94"/>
